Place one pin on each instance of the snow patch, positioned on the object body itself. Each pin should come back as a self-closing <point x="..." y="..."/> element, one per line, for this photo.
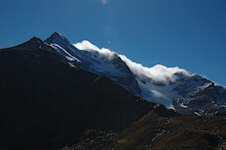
<point x="66" y="54"/>
<point x="157" y="94"/>
<point x="172" y="107"/>
<point x="183" y="106"/>
<point x="196" y="113"/>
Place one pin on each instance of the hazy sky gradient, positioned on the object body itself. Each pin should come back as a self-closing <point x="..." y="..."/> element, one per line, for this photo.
<point x="190" y="34"/>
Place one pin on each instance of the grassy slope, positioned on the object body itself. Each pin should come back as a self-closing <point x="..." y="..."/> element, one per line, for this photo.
<point x="185" y="132"/>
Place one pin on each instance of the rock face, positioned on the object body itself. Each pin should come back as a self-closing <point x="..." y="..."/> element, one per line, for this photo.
<point x="199" y="96"/>
<point x="207" y="100"/>
<point x="175" y="88"/>
<point x="46" y="104"/>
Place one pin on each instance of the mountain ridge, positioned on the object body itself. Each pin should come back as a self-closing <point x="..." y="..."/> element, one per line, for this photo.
<point x="160" y="84"/>
<point x="87" y="61"/>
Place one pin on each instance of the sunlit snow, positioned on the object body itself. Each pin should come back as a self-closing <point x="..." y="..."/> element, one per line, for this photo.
<point x="150" y="80"/>
<point x="159" y="84"/>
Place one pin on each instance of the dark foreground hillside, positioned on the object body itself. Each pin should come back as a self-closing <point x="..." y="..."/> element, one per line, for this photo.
<point x="154" y="132"/>
<point x="46" y="104"/>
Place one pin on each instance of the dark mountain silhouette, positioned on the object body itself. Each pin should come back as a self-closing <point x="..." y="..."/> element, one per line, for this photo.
<point x="46" y="104"/>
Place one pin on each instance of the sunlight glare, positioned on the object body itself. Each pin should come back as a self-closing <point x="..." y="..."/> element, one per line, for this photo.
<point x="104" y="2"/>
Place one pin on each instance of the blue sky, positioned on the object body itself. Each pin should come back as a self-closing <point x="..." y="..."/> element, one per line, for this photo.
<point x="190" y="34"/>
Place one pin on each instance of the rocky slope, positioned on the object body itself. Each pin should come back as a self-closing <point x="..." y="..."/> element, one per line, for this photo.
<point x="157" y="132"/>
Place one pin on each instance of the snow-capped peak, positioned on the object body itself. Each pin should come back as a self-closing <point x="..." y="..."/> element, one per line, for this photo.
<point x="170" y="86"/>
<point x="89" y="57"/>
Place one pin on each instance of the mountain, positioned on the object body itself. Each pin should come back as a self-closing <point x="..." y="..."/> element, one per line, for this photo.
<point x="175" y="88"/>
<point x="109" y="65"/>
<point x="46" y="103"/>
<point x="64" y="96"/>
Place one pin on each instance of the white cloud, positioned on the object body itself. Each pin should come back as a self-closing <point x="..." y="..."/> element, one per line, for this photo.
<point x="103" y="52"/>
<point x="157" y="74"/>
<point x="86" y="45"/>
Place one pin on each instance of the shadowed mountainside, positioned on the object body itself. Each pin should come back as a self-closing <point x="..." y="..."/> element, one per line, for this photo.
<point x="46" y="104"/>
